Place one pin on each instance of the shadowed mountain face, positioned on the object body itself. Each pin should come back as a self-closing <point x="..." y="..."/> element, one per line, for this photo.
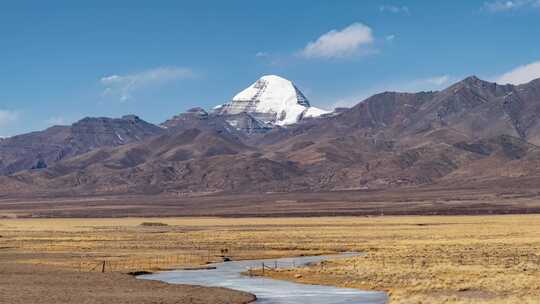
<point x="472" y="133"/>
<point x="39" y="150"/>
<point x="184" y="161"/>
<point x="472" y="108"/>
<point x="469" y="109"/>
<point x="237" y="125"/>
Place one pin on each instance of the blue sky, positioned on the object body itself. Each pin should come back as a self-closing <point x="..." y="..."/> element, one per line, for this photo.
<point x="63" y="60"/>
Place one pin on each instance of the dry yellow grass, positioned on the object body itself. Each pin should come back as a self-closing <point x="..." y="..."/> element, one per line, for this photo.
<point x="462" y="259"/>
<point x="492" y="259"/>
<point x="127" y="245"/>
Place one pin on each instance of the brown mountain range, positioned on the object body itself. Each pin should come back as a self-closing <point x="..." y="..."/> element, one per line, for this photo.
<point x="38" y="150"/>
<point x="472" y="133"/>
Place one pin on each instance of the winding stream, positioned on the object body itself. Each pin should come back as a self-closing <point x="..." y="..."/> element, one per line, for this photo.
<point x="270" y="291"/>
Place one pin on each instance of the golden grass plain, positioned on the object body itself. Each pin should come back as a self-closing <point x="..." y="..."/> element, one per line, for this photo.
<point x="417" y="259"/>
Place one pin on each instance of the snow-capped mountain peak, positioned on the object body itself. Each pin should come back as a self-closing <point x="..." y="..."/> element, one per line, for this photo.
<point x="271" y="99"/>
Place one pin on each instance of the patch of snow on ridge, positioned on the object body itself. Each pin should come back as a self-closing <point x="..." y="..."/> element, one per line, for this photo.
<point x="272" y="99"/>
<point x="315" y="112"/>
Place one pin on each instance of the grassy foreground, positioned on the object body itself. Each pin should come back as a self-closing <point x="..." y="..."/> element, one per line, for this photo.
<point x="443" y="259"/>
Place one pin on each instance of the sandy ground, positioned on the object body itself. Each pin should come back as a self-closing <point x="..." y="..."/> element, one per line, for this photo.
<point x="29" y="284"/>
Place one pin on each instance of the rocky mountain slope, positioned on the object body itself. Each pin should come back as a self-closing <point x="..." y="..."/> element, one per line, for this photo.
<point x="472" y="133"/>
<point x="39" y="150"/>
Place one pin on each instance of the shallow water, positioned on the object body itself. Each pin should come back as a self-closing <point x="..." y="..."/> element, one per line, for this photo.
<point x="269" y="291"/>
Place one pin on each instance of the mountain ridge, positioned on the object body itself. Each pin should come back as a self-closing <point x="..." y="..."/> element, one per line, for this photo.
<point x="473" y="132"/>
<point x="37" y="150"/>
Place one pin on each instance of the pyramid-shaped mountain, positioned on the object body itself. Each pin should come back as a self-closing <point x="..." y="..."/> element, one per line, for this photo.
<point x="271" y="99"/>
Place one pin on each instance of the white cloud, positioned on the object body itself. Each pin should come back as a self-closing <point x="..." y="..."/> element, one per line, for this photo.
<point x="390" y="38"/>
<point x="8" y="117"/>
<point x="394" y="9"/>
<point x="123" y="86"/>
<point x="509" y="5"/>
<point x="350" y="41"/>
<point x="521" y="74"/>
<point x="261" y="54"/>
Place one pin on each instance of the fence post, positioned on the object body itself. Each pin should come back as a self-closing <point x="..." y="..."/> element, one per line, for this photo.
<point x="103" y="267"/>
<point x="263" y="268"/>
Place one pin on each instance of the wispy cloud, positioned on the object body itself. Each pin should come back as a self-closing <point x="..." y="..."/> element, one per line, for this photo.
<point x="521" y="74"/>
<point x="124" y="86"/>
<point x="56" y="121"/>
<point x="390" y="38"/>
<point x="395" y="9"/>
<point x="510" y="5"/>
<point x="351" y="41"/>
<point x="437" y="81"/>
<point x="8" y="117"/>
<point x="261" y="54"/>
<point x="415" y="85"/>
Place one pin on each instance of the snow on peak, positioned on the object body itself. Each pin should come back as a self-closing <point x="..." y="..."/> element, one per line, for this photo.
<point x="272" y="99"/>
